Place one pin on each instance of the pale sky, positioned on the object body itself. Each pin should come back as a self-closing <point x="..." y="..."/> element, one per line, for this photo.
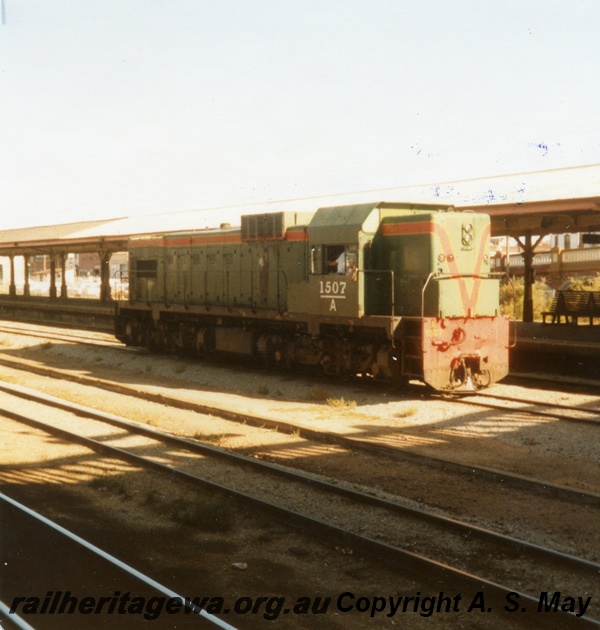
<point x="115" y="108"/>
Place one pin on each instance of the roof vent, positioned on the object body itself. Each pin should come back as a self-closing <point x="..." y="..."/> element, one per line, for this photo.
<point x="263" y="227"/>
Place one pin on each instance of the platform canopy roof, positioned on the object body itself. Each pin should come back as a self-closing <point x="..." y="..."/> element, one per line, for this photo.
<point x="68" y="237"/>
<point x="547" y="202"/>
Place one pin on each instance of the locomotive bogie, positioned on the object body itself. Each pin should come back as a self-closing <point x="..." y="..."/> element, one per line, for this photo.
<point x="394" y="291"/>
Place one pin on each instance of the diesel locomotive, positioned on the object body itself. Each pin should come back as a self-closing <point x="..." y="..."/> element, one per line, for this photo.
<point x="395" y="291"/>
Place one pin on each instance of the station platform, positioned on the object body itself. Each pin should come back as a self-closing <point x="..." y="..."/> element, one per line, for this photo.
<point x="567" y="349"/>
<point x="581" y="339"/>
<point x="72" y="312"/>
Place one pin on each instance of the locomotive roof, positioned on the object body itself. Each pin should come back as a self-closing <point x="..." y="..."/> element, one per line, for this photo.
<point x="341" y="224"/>
<point x="183" y="233"/>
<point x="357" y="214"/>
<point x="334" y="223"/>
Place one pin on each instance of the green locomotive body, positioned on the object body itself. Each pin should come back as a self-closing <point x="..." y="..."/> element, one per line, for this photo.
<point x="393" y="290"/>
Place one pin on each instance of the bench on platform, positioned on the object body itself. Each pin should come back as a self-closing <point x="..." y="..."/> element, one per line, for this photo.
<point x="572" y="305"/>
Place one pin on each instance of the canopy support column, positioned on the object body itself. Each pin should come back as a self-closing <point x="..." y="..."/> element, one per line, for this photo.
<point x="528" y="274"/>
<point x="26" y="287"/>
<point x="63" y="283"/>
<point x="105" y="290"/>
<point x="12" y="289"/>
<point x="52" y="277"/>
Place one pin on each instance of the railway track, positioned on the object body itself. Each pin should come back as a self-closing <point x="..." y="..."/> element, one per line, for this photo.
<point x="480" y="543"/>
<point x="553" y="381"/>
<point x="352" y="443"/>
<point x="559" y="412"/>
<point x="564" y="413"/>
<point x="77" y="336"/>
<point x="39" y="555"/>
<point x="567" y="413"/>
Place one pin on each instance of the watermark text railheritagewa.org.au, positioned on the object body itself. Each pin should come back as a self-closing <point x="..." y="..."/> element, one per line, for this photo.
<point x="272" y="607"/>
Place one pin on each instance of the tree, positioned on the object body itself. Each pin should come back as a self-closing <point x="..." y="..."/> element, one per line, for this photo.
<point x="511" y="298"/>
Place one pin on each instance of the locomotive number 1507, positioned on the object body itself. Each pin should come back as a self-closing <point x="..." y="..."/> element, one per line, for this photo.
<point x="332" y="287"/>
<point x="333" y="290"/>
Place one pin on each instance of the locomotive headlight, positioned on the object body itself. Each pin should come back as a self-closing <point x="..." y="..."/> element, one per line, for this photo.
<point x="441" y="258"/>
<point x="467" y="233"/>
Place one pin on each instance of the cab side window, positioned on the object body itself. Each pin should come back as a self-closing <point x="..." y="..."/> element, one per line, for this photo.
<point x="334" y="259"/>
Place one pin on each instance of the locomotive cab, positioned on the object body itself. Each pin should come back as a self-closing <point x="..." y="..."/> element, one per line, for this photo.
<point x="419" y="275"/>
<point x="337" y="238"/>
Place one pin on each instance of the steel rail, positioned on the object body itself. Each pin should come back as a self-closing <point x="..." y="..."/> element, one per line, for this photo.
<point x="514" y="480"/>
<point x="544" y="414"/>
<point x="12" y="618"/>
<point x="553" y="379"/>
<point x="61" y="336"/>
<point x="386" y="553"/>
<point x="595" y="412"/>
<point x="85" y="341"/>
<point x="115" y="562"/>
<point x="460" y="527"/>
<point x="467" y="400"/>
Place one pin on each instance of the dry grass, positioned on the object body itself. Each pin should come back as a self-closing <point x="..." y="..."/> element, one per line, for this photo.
<point x="341" y="402"/>
<point x="406" y="412"/>
<point x="111" y="485"/>
<point x="212" y="438"/>
<point x="211" y="514"/>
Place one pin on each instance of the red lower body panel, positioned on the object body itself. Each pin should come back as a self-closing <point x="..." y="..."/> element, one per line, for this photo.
<point x="464" y="354"/>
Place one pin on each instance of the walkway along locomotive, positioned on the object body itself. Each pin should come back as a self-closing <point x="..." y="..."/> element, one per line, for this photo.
<point x="393" y="290"/>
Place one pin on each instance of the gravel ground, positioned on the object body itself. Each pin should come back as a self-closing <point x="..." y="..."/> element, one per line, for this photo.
<point x="558" y="452"/>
